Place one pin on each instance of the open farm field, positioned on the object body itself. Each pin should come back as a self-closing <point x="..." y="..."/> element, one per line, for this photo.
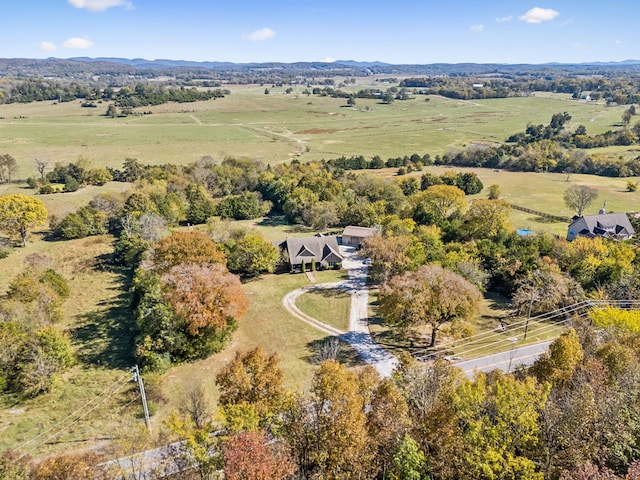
<point x="277" y="127"/>
<point x="60" y="204"/>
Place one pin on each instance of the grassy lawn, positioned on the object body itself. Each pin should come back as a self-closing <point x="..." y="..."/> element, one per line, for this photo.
<point x="330" y="306"/>
<point x="60" y="204"/>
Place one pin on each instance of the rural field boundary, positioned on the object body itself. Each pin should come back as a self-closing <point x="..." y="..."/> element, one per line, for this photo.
<point x="557" y="218"/>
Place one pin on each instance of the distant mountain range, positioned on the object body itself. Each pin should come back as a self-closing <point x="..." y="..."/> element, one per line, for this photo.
<point x="166" y="63"/>
<point x="123" y="70"/>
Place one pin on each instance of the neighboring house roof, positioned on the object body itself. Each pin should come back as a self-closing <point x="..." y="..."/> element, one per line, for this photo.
<point x="609" y="225"/>
<point x="362" y="232"/>
<point x="322" y="249"/>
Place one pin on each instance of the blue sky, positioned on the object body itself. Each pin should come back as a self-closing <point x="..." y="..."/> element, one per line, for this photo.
<point x="399" y="31"/>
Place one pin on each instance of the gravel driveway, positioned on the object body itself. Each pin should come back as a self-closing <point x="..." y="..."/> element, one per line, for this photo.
<point x="358" y="335"/>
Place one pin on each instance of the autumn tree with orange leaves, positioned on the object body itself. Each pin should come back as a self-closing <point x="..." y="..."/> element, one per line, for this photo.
<point x="203" y="295"/>
<point x="187" y="304"/>
<point x="186" y="247"/>
<point x="250" y="456"/>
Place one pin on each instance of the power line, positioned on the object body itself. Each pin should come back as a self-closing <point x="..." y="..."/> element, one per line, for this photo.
<point x="75" y="420"/>
<point x="72" y="414"/>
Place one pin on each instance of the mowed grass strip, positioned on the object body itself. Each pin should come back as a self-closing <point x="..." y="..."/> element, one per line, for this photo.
<point x="328" y="305"/>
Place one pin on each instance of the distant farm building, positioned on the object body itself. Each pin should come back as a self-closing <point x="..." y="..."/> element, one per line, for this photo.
<point x="354" y="236"/>
<point x="321" y="250"/>
<point x="606" y="225"/>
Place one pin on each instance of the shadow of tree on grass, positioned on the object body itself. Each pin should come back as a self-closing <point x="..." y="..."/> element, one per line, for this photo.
<point x="320" y="350"/>
<point x="107" y="334"/>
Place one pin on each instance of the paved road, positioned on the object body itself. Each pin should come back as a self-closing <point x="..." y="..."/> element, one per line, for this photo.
<point x="358" y="335"/>
<point x="506" y="361"/>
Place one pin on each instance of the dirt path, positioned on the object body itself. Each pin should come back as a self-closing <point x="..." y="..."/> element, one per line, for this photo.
<point x="358" y="335"/>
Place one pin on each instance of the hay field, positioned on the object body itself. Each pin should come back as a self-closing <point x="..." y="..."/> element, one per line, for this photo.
<point x="277" y="127"/>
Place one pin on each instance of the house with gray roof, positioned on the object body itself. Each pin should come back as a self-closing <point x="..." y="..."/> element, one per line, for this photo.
<point x="324" y="250"/>
<point x="606" y="225"/>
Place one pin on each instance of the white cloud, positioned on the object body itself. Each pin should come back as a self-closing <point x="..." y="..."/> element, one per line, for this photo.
<point x="261" y="35"/>
<point x="329" y="59"/>
<point x="477" y="28"/>
<point x="77" y="43"/>
<point x="100" y="5"/>
<point x="618" y="42"/>
<point x="539" y="15"/>
<point x="47" y="46"/>
<point x="508" y="18"/>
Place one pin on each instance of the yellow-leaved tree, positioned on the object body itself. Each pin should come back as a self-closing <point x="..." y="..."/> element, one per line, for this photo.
<point x="20" y="213"/>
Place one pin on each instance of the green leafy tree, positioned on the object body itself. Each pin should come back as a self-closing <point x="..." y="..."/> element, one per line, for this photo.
<point x="200" y="205"/>
<point x="437" y="204"/>
<point x="251" y="255"/>
<point x="46" y="354"/>
<point x="20" y="213"/>
<point x="409" y="462"/>
<point x="499" y="419"/>
<point x="487" y="219"/>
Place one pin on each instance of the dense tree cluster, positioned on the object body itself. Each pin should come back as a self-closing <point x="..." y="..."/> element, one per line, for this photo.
<point x="33" y="351"/>
<point x="187" y="304"/>
<point x="620" y="90"/>
<point x="141" y="94"/>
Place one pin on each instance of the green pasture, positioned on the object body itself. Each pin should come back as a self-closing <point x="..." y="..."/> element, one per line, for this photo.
<point x="60" y="204"/>
<point x="277" y="127"/>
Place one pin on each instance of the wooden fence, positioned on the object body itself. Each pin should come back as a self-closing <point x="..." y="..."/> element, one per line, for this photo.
<point x="557" y="218"/>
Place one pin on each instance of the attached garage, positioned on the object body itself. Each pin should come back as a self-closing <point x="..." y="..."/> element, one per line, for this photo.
<point x="354" y="236"/>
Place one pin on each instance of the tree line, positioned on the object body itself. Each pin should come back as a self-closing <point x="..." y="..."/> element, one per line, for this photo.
<point x="141" y="94"/>
<point x="620" y="91"/>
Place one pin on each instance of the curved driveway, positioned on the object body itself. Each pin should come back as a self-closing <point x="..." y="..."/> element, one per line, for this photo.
<point x="358" y="335"/>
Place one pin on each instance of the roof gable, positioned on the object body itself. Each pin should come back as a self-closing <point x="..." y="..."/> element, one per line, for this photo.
<point x="305" y="249"/>
<point x="609" y="225"/>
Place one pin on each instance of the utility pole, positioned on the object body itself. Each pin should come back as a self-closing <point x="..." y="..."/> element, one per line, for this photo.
<point x="138" y="378"/>
<point x="526" y="327"/>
